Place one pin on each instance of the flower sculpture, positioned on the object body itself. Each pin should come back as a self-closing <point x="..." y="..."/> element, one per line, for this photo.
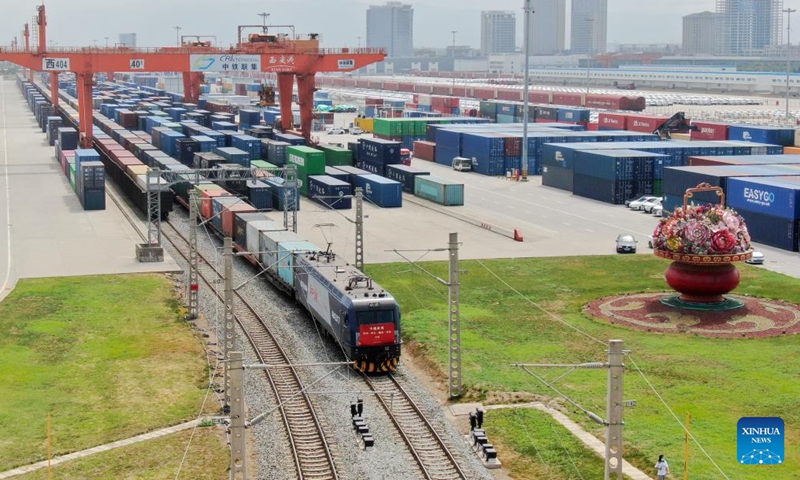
<point x="702" y="230"/>
<point x="702" y="241"/>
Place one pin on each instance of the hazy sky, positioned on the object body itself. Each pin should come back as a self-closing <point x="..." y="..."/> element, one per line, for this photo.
<point x="340" y="22"/>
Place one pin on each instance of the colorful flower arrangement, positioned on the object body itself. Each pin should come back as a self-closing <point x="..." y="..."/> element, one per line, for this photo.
<point x="702" y="230"/>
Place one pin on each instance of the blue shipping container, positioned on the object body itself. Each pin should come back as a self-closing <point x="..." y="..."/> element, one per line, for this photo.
<point x="405" y="175"/>
<point x="774" y="196"/>
<point x="260" y="194"/>
<point x="329" y="191"/>
<point x="762" y="134"/>
<point x="379" y="151"/>
<point x="381" y="191"/>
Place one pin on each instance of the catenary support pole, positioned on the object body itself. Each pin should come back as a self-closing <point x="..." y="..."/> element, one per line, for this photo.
<point x="525" y="87"/>
<point x="455" y="319"/>
<point x="686" y="439"/>
<point x="193" y="273"/>
<point x="359" y="229"/>
<point x="229" y="327"/>
<point x="616" y="368"/>
<point x="238" y="431"/>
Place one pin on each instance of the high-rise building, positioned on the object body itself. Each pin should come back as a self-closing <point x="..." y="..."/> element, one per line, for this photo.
<point x="589" y="26"/>
<point x="749" y="26"/>
<point x="700" y="32"/>
<point x="498" y="32"/>
<point x="127" y="40"/>
<point x="547" y="27"/>
<point x="391" y="26"/>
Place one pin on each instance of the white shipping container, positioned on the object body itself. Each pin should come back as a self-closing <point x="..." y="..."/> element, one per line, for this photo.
<point x="269" y="247"/>
<point x="424" y="99"/>
<point x="797" y="137"/>
<point x="254" y="230"/>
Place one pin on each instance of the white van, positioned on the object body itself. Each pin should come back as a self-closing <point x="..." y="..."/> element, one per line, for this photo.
<point x="462" y="164"/>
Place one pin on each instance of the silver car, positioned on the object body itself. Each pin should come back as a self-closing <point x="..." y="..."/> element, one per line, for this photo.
<point x="626" y="243"/>
<point x="639" y="202"/>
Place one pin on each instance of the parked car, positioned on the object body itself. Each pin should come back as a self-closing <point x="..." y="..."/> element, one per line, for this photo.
<point x="335" y="131"/>
<point x="462" y="164"/>
<point x="356" y="131"/>
<point x="756" y="259"/>
<point x="626" y="243"/>
<point x="658" y="210"/>
<point x="650" y="204"/>
<point x="637" y="203"/>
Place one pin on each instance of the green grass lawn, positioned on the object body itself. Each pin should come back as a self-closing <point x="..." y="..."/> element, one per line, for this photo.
<point x="159" y="459"/>
<point x="108" y="357"/>
<point x="717" y="381"/>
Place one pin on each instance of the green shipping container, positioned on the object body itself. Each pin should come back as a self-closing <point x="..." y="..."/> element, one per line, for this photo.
<point x="262" y="164"/>
<point x="392" y="127"/>
<point x="420" y="128"/>
<point x="174" y="126"/>
<point x="337" y="156"/>
<point x="439" y="190"/>
<point x="309" y="161"/>
<point x="658" y="188"/>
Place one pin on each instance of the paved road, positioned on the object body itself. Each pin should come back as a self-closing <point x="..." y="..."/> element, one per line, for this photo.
<point x="7" y="273"/>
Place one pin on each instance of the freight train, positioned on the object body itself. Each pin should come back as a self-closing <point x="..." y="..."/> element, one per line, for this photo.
<point x="361" y="316"/>
<point x="498" y="92"/>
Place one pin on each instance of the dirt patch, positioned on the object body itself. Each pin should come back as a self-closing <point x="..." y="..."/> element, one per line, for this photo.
<point x="758" y="318"/>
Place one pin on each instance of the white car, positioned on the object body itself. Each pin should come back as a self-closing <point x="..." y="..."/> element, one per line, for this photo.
<point x="335" y="131"/>
<point x="356" y="131"/>
<point x="650" y="204"/>
<point x="658" y="211"/>
<point x="756" y="259"/>
<point x="639" y="202"/>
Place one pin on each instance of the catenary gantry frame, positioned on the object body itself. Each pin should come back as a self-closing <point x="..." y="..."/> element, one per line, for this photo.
<point x="287" y="58"/>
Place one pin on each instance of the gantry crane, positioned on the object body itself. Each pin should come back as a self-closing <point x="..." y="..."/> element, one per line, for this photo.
<point x="286" y="55"/>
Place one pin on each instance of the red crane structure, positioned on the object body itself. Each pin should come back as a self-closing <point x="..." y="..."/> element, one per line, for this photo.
<point x="286" y="55"/>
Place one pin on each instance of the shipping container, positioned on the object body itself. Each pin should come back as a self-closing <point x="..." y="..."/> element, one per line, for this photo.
<point x="439" y="190"/>
<point x="255" y="229"/>
<point x="352" y="173"/>
<point x="678" y="179"/>
<point x="249" y="144"/>
<point x="762" y="134"/>
<point x="241" y="219"/>
<point x="336" y="155"/>
<point x="773" y="196"/>
<point x="405" y="175"/>
<point x="309" y="161"/>
<point x="259" y="194"/>
<point x="557" y="177"/>
<point x="330" y="191"/>
<point x="645" y="123"/>
<point x="773" y="231"/>
<point x="612" y="121"/>
<point x="286" y="253"/>
<point x="614" y="192"/>
<point x="710" y="131"/>
<point x="234" y="155"/>
<point x="380" y="191"/>
<point x="277" y="185"/>
<point x="274" y="151"/>
<point x="719" y="160"/>
<point x="270" y="241"/>
<point x="379" y="151"/>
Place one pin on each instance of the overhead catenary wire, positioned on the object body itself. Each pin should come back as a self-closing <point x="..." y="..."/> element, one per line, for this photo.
<point x="533" y="444"/>
<point x="653" y="388"/>
<point x="566" y="450"/>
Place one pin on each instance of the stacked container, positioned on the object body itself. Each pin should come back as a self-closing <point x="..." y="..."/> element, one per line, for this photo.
<point x="91" y="185"/>
<point x="374" y="154"/>
<point x="309" y="161"/>
<point x="770" y="207"/>
<point x="329" y="191"/>
<point x="405" y="175"/>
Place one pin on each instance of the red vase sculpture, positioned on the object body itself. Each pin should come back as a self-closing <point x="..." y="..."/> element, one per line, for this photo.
<point x="698" y="283"/>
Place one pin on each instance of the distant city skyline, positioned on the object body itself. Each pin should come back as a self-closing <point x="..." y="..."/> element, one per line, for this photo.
<point x="339" y="23"/>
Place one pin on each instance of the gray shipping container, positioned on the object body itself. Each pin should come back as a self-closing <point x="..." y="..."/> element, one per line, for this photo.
<point x="439" y="190"/>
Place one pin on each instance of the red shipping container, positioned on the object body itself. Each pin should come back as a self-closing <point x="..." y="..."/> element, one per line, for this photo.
<point x="460" y="92"/>
<point x="66" y="156"/>
<point x="613" y="121"/>
<point x="426" y="88"/>
<point x="415" y="99"/>
<point x="611" y="102"/>
<point x="441" y="89"/>
<point x="513" y="146"/>
<point x="405" y="87"/>
<point x="484" y="93"/>
<point x="206" y="209"/>
<point x="540" y="97"/>
<point x="592" y="127"/>
<point x="512" y="95"/>
<point x="451" y="102"/>
<point x="644" y="123"/>
<point x="437" y="101"/>
<point x="425" y="150"/>
<point x="710" y="131"/>
<point x="571" y="99"/>
<point x="392" y="86"/>
<point x="228" y="220"/>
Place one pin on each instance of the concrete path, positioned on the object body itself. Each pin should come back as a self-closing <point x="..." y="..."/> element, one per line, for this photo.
<point x="589" y="440"/>
<point x="100" y="448"/>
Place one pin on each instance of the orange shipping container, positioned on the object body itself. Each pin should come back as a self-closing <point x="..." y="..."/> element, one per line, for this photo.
<point x="791" y="150"/>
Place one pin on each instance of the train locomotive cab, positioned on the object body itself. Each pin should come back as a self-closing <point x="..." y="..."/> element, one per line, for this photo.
<point x="360" y="315"/>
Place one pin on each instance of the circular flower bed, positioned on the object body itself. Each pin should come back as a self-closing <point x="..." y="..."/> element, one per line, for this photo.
<point x="702" y="230"/>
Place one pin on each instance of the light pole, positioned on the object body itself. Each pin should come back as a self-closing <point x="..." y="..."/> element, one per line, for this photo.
<point x="590" y="35"/>
<point x="264" y="16"/>
<point x="788" y="12"/>
<point x="177" y="36"/>
<point x="106" y="42"/>
<point x="526" y="75"/>
<point x="454" y="56"/>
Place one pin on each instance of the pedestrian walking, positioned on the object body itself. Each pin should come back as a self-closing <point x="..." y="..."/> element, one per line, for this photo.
<point x="662" y="468"/>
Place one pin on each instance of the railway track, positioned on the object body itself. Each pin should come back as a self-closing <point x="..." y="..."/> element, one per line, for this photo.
<point x="312" y="454"/>
<point x="428" y="449"/>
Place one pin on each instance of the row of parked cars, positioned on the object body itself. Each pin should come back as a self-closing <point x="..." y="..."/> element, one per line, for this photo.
<point x="647" y="204"/>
